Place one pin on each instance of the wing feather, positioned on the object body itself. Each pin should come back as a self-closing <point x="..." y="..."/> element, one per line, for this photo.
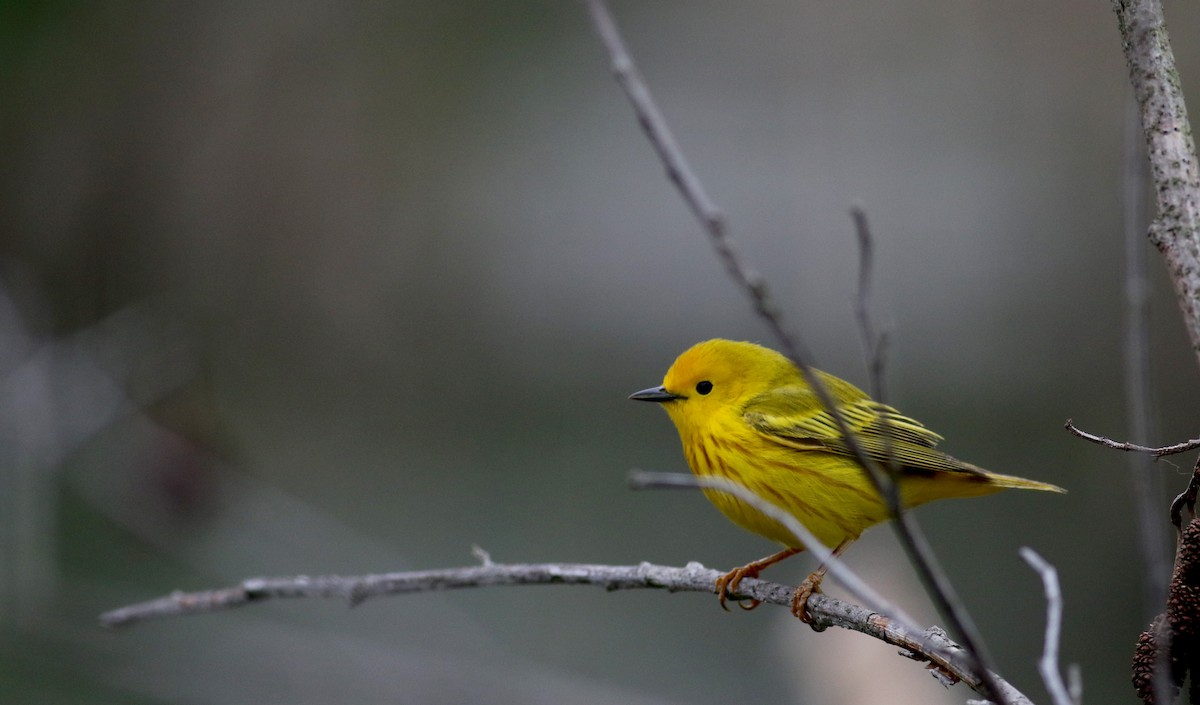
<point x="793" y="416"/>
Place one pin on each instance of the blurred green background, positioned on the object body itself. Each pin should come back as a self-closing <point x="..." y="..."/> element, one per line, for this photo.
<point x="316" y="287"/>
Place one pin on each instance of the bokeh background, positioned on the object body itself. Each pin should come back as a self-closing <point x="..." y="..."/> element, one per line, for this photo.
<point x="317" y="287"/>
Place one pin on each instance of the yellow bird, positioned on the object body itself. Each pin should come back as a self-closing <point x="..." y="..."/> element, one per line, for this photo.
<point x="745" y="413"/>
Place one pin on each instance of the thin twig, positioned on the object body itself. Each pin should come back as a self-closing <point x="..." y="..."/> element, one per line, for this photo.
<point x="1048" y="665"/>
<point x="928" y="645"/>
<point x="874" y="341"/>
<point x="1133" y="447"/>
<point x="911" y="536"/>
<point x="662" y="139"/>
<point x="711" y="219"/>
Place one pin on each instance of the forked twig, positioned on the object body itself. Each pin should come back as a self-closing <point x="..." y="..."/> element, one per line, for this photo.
<point x="1048" y="664"/>
<point x="1133" y="447"/>
<point x="662" y="140"/>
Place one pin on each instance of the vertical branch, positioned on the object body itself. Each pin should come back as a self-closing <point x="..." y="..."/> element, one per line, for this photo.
<point x="912" y="538"/>
<point x="874" y="340"/>
<point x="1171" y="149"/>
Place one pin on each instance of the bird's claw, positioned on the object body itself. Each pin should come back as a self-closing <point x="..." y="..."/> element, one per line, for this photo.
<point x="811" y="586"/>
<point x="728" y="583"/>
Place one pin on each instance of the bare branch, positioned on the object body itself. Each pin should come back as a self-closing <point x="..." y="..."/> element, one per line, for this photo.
<point x="1048" y="665"/>
<point x="357" y="589"/>
<point x="929" y="645"/>
<point x="663" y="140"/>
<point x="1122" y="445"/>
<point x="874" y="341"/>
<point x="1168" y="134"/>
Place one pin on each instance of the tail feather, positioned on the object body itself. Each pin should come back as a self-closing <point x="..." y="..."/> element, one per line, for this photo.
<point x="1020" y="483"/>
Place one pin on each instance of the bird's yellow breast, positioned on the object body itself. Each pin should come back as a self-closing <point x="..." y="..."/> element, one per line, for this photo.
<point x="828" y="494"/>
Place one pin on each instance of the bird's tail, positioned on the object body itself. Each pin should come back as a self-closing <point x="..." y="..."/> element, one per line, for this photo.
<point x="1020" y="483"/>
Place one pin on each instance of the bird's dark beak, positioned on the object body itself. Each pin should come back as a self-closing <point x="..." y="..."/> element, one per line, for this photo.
<point x="658" y="394"/>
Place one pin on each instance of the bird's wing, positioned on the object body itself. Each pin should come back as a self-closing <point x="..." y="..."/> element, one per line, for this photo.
<point x="793" y="416"/>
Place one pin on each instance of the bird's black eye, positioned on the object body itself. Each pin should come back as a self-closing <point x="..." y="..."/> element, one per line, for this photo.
<point x="704" y="387"/>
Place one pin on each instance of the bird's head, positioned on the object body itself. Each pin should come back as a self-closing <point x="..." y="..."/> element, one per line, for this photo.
<point x="714" y="377"/>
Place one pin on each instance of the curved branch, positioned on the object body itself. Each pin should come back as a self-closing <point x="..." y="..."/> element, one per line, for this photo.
<point x="930" y="646"/>
<point x="1132" y="447"/>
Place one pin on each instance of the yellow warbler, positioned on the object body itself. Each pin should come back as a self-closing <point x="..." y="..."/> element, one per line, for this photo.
<point x="745" y="412"/>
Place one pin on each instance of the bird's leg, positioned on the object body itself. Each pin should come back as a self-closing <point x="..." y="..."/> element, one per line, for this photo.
<point x="727" y="584"/>
<point x="812" y="585"/>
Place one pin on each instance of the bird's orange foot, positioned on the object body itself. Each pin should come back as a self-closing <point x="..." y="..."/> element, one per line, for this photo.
<point x="728" y="583"/>
<point x="808" y="588"/>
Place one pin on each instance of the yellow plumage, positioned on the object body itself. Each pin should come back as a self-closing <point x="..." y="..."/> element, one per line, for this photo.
<point x="744" y="412"/>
